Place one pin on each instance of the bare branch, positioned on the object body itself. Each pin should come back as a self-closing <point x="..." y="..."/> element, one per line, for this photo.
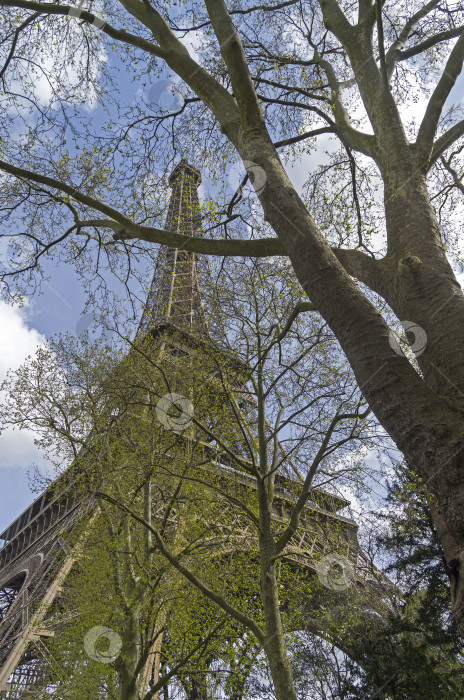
<point x="300" y="308"/>
<point x="428" y="127"/>
<point x="213" y="94"/>
<point x="18" y="31"/>
<point x="265" y="8"/>
<point x="431" y="41"/>
<point x="364" y="143"/>
<point x="456" y="179"/>
<point x="306" y="135"/>
<point x="394" y="53"/>
<point x="446" y="140"/>
<point x="89" y="18"/>
<point x="292" y="526"/>
<point x="189" y="575"/>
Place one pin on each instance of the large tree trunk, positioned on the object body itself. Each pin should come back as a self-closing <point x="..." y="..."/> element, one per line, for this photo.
<point x="419" y="282"/>
<point x="424" y="290"/>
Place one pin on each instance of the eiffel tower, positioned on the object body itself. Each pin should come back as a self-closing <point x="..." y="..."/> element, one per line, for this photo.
<point x="180" y="315"/>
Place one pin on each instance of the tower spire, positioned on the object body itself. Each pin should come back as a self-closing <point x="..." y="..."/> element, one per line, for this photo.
<point x="174" y="296"/>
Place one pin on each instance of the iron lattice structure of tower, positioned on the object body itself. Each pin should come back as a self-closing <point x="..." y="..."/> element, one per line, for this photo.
<point x="180" y="316"/>
<point x="181" y="292"/>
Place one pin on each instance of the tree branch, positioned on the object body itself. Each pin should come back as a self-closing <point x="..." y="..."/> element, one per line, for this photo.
<point x="356" y="263"/>
<point x="300" y="308"/>
<point x="335" y="20"/>
<point x="18" y="31"/>
<point x="430" y="42"/>
<point x="265" y="8"/>
<point x="456" y="179"/>
<point x="383" y="65"/>
<point x="125" y="229"/>
<point x="446" y="140"/>
<point x="394" y="52"/>
<point x="428" y="127"/>
<point x="305" y="492"/>
<point x="235" y="60"/>
<point x="189" y="575"/>
<point x="208" y="89"/>
<point x="363" y="267"/>
<point x="45" y="8"/>
<point x="364" y="11"/>
<point x="364" y="143"/>
<point x="259" y="248"/>
<point x="306" y="135"/>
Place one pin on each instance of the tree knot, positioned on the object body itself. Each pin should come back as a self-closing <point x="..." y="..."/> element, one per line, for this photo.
<point x="122" y="235"/>
<point x="410" y="263"/>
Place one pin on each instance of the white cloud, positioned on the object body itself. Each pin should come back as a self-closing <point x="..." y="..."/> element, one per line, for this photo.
<point x="17" y="341"/>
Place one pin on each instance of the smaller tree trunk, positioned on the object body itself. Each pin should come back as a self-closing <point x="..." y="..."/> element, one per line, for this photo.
<point x="128" y="689"/>
<point x="274" y="645"/>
